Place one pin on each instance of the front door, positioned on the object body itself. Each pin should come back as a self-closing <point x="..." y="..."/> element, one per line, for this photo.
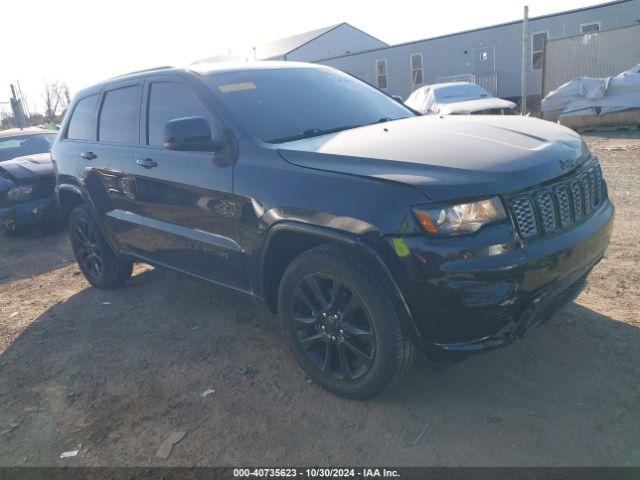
<point x="185" y="198"/>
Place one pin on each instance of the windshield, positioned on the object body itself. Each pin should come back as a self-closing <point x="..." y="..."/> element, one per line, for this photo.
<point x="18" y="146"/>
<point x="460" y="92"/>
<point x="280" y="105"/>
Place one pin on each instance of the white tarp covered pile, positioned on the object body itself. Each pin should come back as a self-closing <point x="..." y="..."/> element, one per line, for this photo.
<point x="595" y="96"/>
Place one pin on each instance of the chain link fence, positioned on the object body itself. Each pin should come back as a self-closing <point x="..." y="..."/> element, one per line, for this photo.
<point x="600" y="54"/>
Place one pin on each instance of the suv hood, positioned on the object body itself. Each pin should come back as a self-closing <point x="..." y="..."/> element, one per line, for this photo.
<point x="28" y="169"/>
<point x="448" y="157"/>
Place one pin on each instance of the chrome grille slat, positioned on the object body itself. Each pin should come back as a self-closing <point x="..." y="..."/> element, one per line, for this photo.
<point x="576" y="194"/>
<point x="544" y="210"/>
<point x="586" y="194"/>
<point x="564" y="205"/>
<point x="523" y="210"/>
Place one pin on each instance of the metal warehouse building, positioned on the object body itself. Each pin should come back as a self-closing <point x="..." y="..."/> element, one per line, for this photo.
<point x="309" y="46"/>
<point x="490" y="56"/>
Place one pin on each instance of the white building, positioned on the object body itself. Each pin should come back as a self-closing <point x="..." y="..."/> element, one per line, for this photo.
<point x="490" y="56"/>
<point x="331" y="41"/>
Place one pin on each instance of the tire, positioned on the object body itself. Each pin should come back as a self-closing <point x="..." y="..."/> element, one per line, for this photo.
<point x="8" y="229"/>
<point x="100" y="265"/>
<point x="342" y="324"/>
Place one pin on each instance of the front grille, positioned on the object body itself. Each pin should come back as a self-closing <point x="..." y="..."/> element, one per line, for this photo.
<point x="546" y="209"/>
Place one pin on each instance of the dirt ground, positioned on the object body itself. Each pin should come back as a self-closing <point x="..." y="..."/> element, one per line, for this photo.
<point x="114" y="373"/>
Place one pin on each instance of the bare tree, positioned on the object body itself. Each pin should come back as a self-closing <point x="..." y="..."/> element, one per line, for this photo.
<point x="65" y="96"/>
<point x="51" y="99"/>
<point x="56" y="97"/>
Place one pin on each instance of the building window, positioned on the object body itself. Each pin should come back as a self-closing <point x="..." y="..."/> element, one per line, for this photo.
<point x="587" y="28"/>
<point x="538" y="43"/>
<point x="381" y="72"/>
<point x="484" y="56"/>
<point x="416" y="69"/>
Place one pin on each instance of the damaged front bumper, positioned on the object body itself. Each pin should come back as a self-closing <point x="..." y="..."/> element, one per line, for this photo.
<point x="486" y="290"/>
<point x="31" y="212"/>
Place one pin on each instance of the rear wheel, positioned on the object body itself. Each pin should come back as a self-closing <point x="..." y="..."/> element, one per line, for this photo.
<point x="341" y="322"/>
<point x="100" y="265"/>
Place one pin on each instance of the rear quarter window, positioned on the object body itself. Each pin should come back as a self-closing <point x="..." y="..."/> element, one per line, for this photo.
<point x="82" y="124"/>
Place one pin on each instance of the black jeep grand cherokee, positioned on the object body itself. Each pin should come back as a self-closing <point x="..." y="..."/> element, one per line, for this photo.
<point x="371" y="230"/>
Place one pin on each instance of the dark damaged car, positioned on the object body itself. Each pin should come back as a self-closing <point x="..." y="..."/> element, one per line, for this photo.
<point x="375" y="233"/>
<point x="27" y="179"/>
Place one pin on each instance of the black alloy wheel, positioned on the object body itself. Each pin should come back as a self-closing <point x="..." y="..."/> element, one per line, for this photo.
<point x="88" y="251"/>
<point x="99" y="263"/>
<point x="333" y="327"/>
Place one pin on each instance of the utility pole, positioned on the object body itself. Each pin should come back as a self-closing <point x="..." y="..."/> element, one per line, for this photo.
<point x="18" y="113"/>
<point x="525" y="61"/>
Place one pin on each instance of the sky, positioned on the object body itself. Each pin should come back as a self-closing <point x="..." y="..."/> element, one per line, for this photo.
<point x="82" y="42"/>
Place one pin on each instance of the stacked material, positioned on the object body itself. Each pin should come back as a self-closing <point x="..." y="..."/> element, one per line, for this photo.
<point x="592" y="102"/>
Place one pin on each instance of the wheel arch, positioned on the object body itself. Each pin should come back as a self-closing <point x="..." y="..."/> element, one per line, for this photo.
<point x="69" y="197"/>
<point x="286" y="240"/>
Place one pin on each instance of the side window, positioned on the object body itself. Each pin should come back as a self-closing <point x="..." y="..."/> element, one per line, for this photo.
<point x="538" y="42"/>
<point x="168" y="101"/>
<point x="118" y="121"/>
<point x="586" y="28"/>
<point x="82" y="125"/>
<point x="416" y="69"/>
<point x="381" y="73"/>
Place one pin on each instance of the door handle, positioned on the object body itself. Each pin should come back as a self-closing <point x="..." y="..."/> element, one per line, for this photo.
<point x="89" y="155"/>
<point x="147" y="163"/>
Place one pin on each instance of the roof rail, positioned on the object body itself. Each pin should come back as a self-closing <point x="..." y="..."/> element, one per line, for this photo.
<point x="152" y="69"/>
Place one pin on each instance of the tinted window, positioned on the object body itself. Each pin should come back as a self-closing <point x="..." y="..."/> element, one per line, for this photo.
<point x="11" y="147"/>
<point x="168" y="101"/>
<point x="119" y="115"/>
<point x="280" y="105"/>
<point x="82" y="125"/>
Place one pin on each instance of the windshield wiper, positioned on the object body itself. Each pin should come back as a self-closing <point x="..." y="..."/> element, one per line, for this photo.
<point x="312" y="132"/>
<point x="316" y="132"/>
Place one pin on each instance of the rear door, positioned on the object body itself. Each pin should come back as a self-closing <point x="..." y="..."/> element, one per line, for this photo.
<point x="185" y="198"/>
<point x="78" y="139"/>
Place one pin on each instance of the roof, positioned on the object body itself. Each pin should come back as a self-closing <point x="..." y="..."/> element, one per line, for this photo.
<point x="479" y="29"/>
<point x="280" y="48"/>
<point x="18" y="132"/>
<point x="199" y="68"/>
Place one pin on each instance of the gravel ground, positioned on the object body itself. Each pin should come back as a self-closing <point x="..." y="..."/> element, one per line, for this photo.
<point x="112" y="374"/>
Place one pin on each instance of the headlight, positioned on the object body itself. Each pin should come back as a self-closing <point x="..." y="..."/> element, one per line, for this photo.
<point x="461" y="218"/>
<point x="21" y="192"/>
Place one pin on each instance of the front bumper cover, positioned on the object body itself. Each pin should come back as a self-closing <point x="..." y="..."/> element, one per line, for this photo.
<point x="30" y="212"/>
<point x="541" y="307"/>
<point x="465" y="296"/>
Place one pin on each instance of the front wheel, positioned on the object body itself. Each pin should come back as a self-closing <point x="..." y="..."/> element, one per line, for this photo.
<point x="100" y="265"/>
<point x="342" y="324"/>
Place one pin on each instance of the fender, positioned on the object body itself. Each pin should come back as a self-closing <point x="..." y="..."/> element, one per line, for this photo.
<point x="86" y="198"/>
<point x="339" y="237"/>
<point x="70" y="187"/>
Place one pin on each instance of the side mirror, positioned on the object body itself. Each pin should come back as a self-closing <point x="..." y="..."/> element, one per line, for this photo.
<point x="397" y="98"/>
<point x="191" y="134"/>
